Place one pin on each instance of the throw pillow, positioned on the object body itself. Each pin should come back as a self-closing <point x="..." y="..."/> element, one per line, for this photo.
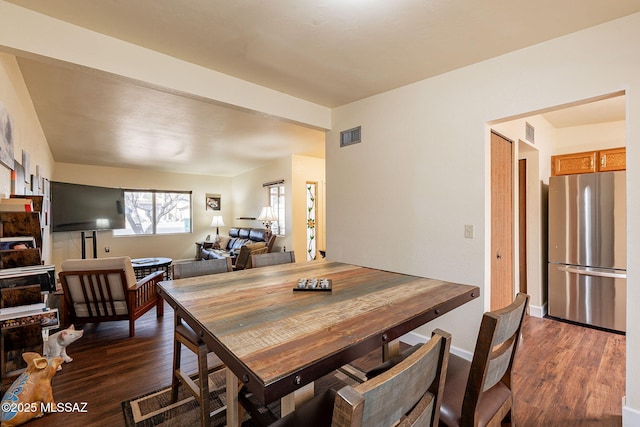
<point x="222" y="242"/>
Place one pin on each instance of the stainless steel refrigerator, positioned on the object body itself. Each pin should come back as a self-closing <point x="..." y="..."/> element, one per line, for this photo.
<point x="587" y="249"/>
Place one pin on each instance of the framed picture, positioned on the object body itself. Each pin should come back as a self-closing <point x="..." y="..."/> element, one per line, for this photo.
<point x="213" y="202"/>
<point x="50" y="319"/>
<point x="26" y="164"/>
<point x="17" y="179"/>
<point x="6" y="138"/>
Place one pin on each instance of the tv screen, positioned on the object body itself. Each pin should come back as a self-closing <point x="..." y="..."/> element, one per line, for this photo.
<point x="76" y="207"/>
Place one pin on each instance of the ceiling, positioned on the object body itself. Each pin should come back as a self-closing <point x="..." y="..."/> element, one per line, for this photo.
<point x="329" y="52"/>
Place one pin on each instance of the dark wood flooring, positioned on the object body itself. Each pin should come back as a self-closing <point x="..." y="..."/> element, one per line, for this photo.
<point x="564" y="375"/>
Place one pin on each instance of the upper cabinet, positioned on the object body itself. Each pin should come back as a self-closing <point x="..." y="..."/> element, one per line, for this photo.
<point x="612" y="160"/>
<point x="589" y="161"/>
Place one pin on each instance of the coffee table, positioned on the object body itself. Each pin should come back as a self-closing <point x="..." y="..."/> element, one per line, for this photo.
<point x="145" y="266"/>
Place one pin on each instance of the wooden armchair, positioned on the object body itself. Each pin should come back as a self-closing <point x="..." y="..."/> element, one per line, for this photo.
<point x="408" y="394"/>
<point x="105" y="289"/>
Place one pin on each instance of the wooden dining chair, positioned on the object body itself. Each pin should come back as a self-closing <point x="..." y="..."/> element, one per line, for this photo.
<point x="408" y="394"/>
<point x="479" y="393"/>
<point x="201" y="268"/>
<point x="272" y="258"/>
<point x="184" y="335"/>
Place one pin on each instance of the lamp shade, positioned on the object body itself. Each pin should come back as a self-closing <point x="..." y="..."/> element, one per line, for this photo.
<point x="217" y="221"/>
<point x="267" y="214"/>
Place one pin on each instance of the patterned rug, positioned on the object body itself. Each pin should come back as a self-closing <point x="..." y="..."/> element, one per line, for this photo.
<point x="156" y="409"/>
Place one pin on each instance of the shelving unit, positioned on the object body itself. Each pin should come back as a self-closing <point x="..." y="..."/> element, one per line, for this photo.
<point x="25" y="283"/>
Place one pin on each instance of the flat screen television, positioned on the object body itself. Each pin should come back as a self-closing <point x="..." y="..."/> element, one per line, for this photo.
<point x="77" y="207"/>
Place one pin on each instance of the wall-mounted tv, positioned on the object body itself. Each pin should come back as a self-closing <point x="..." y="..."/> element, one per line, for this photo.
<point x="77" y="207"/>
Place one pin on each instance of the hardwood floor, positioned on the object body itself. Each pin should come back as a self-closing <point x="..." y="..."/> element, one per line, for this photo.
<point x="564" y="375"/>
<point x="568" y="375"/>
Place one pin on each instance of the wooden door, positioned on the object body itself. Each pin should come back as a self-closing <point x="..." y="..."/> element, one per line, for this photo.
<point x="502" y="291"/>
<point x="522" y="225"/>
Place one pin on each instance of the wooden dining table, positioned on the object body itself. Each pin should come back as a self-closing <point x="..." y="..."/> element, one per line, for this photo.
<point x="276" y="339"/>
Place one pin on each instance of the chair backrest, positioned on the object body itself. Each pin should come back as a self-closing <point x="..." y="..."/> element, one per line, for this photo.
<point x="243" y="260"/>
<point x="182" y="270"/>
<point x="494" y="353"/>
<point x="98" y="286"/>
<point x="270" y="242"/>
<point x="273" y="258"/>
<point x="409" y="393"/>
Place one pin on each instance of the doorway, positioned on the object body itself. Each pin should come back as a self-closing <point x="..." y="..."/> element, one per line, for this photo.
<point x="522" y="225"/>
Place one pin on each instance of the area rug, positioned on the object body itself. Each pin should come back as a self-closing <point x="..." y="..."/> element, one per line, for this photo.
<point x="156" y="409"/>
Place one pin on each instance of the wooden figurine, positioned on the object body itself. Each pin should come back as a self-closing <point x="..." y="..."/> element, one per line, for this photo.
<point x="30" y="395"/>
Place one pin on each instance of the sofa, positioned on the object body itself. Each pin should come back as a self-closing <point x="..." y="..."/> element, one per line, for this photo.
<point x="225" y="246"/>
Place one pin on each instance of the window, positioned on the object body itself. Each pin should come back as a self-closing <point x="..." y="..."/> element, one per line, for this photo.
<point x="276" y="201"/>
<point x="156" y="212"/>
<point x="311" y="220"/>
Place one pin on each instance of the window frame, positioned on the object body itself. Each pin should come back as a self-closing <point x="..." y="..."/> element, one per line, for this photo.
<point x="278" y="227"/>
<point x="154" y="221"/>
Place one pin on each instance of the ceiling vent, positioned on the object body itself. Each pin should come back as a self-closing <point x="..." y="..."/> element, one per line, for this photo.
<point x="350" y="137"/>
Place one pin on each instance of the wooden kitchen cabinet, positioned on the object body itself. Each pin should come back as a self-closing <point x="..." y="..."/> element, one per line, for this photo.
<point x="567" y="164"/>
<point x="589" y="162"/>
<point x="612" y="160"/>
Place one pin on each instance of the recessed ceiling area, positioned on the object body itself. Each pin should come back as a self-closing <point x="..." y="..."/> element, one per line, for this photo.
<point x="96" y="119"/>
<point x="602" y="111"/>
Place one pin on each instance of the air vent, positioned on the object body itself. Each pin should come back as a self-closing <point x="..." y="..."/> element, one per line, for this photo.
<point x="350" y="137"/>
<point x="529" y="133"/>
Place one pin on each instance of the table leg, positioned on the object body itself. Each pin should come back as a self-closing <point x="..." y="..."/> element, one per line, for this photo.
<point x="391" y="349"/>
<point x="289" y="402"/>
<point x="234" y="410"/>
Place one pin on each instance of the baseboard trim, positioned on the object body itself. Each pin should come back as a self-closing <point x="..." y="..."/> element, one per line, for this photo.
<point x="537" y="311"/>
<point x="630" y="416"/>
<point x="413" y="338"/>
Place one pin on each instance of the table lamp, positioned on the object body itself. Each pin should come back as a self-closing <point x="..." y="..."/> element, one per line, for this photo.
<point x="217" y="222"/>
<point x="267" y="215"/>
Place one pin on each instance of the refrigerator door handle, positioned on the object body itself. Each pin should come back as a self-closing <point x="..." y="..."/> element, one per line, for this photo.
<point x="591" y="272"/>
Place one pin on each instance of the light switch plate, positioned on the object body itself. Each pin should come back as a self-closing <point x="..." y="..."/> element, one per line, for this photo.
<point x="468" y="231"/>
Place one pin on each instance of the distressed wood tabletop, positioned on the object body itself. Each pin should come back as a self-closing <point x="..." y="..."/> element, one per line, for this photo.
<point x="276" y="340"/>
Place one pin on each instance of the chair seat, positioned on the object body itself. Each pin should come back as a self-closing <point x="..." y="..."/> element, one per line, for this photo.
<point x="314" y="413"/>
<point x="83" y="311"/>
<point x="454" y="389"/>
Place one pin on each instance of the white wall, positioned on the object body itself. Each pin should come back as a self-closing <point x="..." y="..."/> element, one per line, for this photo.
<point x="422" y="170"/>
<point x="177" y="246"/>
<point x="27" y="133"/>
<point x="592" y="137"/>
<point x="249" y="196"/>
